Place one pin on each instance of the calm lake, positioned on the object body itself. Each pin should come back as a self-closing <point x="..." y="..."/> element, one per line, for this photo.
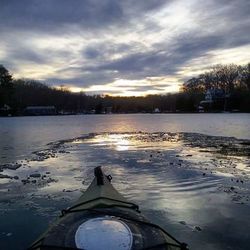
<point x="21" y="135"/>
<point x="185" y="171"/>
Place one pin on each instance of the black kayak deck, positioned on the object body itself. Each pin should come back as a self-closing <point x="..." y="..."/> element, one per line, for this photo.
<point x="99" y="200"/>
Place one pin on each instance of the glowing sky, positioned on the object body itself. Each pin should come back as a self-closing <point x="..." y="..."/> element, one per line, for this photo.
<point x="121" y="47"/>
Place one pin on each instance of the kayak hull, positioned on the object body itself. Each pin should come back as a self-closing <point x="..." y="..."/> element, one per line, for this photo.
<point x="102" y="202"/>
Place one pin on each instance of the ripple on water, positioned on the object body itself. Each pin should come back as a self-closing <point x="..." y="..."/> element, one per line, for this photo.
<point x="157" y="174"/>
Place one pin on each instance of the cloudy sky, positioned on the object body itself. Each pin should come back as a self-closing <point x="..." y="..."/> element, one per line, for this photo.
<point x="121" y="47"/>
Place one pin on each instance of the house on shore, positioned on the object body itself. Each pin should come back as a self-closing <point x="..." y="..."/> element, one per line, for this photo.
<point x="40" y="110"/>
<point x="215" y="99"/>
<point x="5" y="110"/>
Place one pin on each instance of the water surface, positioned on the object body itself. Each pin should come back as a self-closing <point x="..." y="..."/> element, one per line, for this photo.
<point x="195" y="186"/>
<point x="21" y="135"/>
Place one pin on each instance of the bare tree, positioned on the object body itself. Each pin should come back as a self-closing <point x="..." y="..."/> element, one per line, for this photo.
<point x="6" y="86"/>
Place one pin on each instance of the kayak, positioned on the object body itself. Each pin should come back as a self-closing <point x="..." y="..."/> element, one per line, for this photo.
<point x="103" y="219"/>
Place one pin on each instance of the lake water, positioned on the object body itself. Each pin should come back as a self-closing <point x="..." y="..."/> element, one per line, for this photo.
<point x="21" y="135"/>
<point x="195" y="186"/>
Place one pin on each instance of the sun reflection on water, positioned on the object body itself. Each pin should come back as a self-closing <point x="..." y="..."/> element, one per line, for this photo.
<point x="133" y="141"/>
<point x="163" y="173"/>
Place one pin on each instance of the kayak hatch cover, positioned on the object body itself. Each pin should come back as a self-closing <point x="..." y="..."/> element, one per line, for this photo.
<point x="103" y="219"/>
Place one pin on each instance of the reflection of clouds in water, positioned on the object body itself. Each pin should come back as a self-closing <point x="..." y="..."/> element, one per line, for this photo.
<point x="199" y="151"/>
<point x="159" y="172"/>
<point x="179" y="188"/>
<point x="133" y="141"/>
<point x="119" y="142"/>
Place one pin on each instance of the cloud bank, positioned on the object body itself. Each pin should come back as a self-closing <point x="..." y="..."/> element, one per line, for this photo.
<point x="150" y="46"/>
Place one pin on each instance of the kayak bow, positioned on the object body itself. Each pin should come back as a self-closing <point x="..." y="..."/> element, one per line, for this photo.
<point x="103" y="219"/>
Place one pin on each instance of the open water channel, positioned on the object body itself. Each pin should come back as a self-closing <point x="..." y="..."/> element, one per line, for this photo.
<point x="188" y="172"/>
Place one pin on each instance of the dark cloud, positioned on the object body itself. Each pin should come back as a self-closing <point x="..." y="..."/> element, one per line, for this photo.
<point x="161" y="61"/>
<point x="146" y="87"/>
<point x="92" y="53"/>
<point x="167" y="60"/>
<point x="50" y="15"/>
<point x="103" y="50"/>
<point x="155" y="63"/>
<point x="27" y="55"/>
<point x="220" y="25"/>
<point x="82" y="78"/>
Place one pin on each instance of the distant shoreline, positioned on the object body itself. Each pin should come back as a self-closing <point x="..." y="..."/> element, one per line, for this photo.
<point x="130" y="113"/>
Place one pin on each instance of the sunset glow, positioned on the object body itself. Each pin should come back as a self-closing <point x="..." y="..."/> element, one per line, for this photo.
<point x="122" y="48"/>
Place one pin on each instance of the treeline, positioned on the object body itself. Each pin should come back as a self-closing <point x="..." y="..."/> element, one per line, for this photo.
<point x="231" y="81"/>
<point x="17" y="94"/>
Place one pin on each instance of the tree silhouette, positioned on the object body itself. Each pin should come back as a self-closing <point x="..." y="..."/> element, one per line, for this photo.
<point x="232" y="80"/>
<point x="6" y="86"/>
